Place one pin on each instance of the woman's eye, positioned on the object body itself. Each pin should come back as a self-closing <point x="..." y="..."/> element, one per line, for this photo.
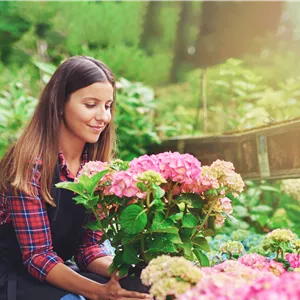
<point x="90" y="105"/>
<point x="107" y="106"/>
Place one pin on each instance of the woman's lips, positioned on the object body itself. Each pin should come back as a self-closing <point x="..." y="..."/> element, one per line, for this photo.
<point x="96" y="129"/>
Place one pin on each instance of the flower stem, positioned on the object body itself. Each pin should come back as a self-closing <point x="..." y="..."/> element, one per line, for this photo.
<point x="99" y="222"/>
<point x="277" y="254"/>
<point x="206" y="217"/>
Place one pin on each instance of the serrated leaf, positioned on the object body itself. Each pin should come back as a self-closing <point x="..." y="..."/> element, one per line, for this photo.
<point x="202" y="258"/>
<point x="201" y="242"/>
<point x="189" y="221"/>
<point x="132" y="219"/>
<point x="71" y="186"/>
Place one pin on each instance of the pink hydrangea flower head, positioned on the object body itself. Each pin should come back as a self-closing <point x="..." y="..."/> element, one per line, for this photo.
<point x="124" y="184"/>
<point x="144" y="163"/>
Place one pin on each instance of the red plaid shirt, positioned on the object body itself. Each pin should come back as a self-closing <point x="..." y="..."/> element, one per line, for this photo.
<point x="31" y="224"/>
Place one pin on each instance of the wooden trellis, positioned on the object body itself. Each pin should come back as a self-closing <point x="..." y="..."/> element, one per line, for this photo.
<point x="268" y="152"/>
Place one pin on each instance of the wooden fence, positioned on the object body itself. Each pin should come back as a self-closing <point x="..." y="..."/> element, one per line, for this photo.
<point x="268" y="152"/>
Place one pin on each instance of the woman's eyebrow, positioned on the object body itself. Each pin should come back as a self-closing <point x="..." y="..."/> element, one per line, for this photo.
<point x="97" y="99"/>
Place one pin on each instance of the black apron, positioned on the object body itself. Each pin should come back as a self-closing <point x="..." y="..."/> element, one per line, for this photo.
<point x="66" y="221"/>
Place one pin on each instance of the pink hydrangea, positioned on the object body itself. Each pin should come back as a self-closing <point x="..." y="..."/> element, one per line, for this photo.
<point x="224" y="280"/>
<point x="93" y="167"/>
<point x="260" y="262"/>
<point x="144" y="163"/>
<point x="253" y="260"/>
<point x="293" y="259"/>
<point x="124" y="184"/>
<point x="285" y="287"/>
<point x="182" y="168"/>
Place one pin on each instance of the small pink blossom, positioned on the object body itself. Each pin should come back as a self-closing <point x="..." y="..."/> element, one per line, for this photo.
<point x="293" y="259"/>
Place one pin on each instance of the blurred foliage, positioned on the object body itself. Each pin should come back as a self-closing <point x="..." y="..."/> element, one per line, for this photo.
<point x="238" y="99"/>
<point x="134" y="119"/>
<point x="16" y="107"/>
<point x="262" y="207"/>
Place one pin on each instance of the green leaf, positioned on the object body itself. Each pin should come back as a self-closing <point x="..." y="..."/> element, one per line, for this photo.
<point x="176" y="217"/>
<point x="208" y="232"/>
<point x="189" y="221"/>
<point x="159" y="224"/>
<point x="202" y="258"/>
<point x="123" y="270"/>
<point x="191" y="199"/>
<point x="201" y="242"/>
<point x="130" y="255"/>
<point x="128" y="238"/>
<point x="186" y="234"/>
<point x="173" y="237"/>
<point x="95" y="180"/>
<point x="158" y="205"/>
<point x="112" y="268"/>
<point x="187" y="250"/>
<point x="158" y="191"/>
<point x="161" y="244"/>
<point x="83" y="200"/>
<point x="72" y="186"/>
<point x="141" y="186"/>
<point x="132" y="219"/>
<point x="92" y="225"/>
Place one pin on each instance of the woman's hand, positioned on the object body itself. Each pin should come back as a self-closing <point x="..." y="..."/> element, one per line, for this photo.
<point x="113" y="291"/>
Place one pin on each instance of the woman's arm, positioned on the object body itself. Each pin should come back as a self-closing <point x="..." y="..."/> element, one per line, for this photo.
<point x="65" y="278"/>
<point x="100" y="265"/>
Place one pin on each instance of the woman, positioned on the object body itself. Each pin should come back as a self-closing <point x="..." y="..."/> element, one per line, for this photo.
<point x="41" y="228"/>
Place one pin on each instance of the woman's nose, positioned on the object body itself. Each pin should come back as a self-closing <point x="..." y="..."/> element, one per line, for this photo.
<point x="103" y="115"/>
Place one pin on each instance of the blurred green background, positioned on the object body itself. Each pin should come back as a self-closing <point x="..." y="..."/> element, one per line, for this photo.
<point x="184" y="68"/>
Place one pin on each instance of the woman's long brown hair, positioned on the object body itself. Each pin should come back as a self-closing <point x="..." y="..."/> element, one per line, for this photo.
<point x="40" y="138"/>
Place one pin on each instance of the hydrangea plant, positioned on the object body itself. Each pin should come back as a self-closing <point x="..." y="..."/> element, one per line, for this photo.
<point x="156" y="204"/>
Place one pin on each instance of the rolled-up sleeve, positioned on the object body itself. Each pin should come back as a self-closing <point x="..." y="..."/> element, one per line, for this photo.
<point x="90" y="249"/>
<point x="31" y="224"/>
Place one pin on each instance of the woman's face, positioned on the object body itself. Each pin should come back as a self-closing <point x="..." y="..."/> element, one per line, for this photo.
<point x="87" y="113"/>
